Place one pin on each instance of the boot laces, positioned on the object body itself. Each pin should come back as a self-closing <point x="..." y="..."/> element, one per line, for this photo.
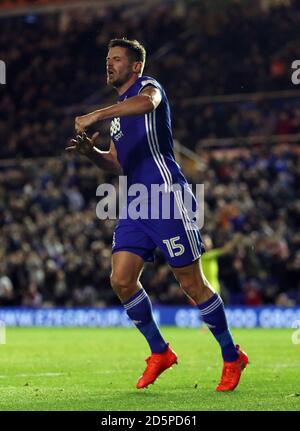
<point x="229" y="372"/>
<point x="153" y="363"/>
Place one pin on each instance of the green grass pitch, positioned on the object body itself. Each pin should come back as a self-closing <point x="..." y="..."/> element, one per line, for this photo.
<point x="96" y="369"/>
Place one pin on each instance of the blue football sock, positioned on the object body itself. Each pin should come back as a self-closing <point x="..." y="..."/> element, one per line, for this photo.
<point x="213" y="314"/>
<point x="139" y="310"/>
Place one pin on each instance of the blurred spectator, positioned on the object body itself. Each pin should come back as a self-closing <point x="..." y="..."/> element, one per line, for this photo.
<point x="56" y="252"/>
<point x="53" y="249"/>
<point x="59" y="64"/>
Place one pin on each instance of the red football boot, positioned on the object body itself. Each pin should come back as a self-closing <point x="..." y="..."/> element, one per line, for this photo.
<point x="232" y="372"/>
<point x="156" y="364"/>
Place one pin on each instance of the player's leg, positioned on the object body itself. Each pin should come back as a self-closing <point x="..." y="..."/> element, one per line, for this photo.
<point x="180" y="241"/>
<point x="131" y="248"/>
<point x="210" y="304"/>
<point x="126" y="270"/>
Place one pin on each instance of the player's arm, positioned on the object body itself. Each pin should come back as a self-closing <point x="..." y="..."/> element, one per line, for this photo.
<point x="148" y="100"/>
<point x="232" y="244"/>
<point x="106" y="160"/>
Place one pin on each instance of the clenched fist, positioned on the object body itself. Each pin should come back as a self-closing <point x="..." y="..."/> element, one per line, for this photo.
<point x="82" y="144"/>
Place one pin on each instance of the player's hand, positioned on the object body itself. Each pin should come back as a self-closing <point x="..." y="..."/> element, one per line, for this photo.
<point x="82" y="144"/>
<point x="237" y="240"/>
<point x="81" y="123"/>
<point x="238" y="237"/>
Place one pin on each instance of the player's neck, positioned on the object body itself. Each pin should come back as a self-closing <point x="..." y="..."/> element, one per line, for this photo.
<point x="121" y="90"/>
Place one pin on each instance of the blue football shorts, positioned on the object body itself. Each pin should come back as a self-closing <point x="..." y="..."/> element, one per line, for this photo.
<point x="177" y="237"/>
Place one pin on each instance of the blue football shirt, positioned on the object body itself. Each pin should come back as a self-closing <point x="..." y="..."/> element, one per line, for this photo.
<point x="144" y="143"/>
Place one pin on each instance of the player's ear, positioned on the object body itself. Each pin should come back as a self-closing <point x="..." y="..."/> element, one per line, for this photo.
<point x="137" y="67"/>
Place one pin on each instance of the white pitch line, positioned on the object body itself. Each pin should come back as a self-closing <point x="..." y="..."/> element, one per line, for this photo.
<point x="3" y="376"/>
<point x="278" y="366"/>
<point x="114" y="371"/>
<point x="6" y="376"/>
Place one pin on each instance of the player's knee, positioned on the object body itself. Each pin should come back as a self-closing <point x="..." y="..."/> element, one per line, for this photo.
<point x="122" y="284"/>
<point x="194" y="286"/>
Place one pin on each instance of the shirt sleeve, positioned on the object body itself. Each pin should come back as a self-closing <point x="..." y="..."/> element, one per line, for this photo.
<point x="147" y="82"/>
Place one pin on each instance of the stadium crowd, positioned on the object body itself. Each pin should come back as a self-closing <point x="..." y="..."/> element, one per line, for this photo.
<point x="53" y="248"/>
<point x="55" y="251"/>
<point x="58" y="65"/>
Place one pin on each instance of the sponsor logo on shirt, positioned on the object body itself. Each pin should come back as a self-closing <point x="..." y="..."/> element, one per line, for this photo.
<point x="115" y="129"/>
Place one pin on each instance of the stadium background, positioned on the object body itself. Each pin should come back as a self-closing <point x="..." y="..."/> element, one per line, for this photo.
<point x="227" y="71"/>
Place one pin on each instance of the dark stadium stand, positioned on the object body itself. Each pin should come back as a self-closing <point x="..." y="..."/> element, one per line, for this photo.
<point x="53" y="249"/>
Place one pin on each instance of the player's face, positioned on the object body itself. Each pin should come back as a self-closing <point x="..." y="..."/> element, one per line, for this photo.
<point x="119" y="68"/>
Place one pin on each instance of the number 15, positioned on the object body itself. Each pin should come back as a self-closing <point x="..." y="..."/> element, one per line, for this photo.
<point x="174" y="249"/>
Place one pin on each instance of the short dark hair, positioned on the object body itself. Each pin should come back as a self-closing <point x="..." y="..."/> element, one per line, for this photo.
<point x="135" y="49"/>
